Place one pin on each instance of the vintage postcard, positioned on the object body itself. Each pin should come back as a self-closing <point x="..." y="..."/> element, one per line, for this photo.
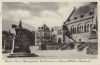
<point x="50" y="32"/>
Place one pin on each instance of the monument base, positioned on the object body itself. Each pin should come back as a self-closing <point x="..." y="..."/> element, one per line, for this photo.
<point x="22" y="55"/>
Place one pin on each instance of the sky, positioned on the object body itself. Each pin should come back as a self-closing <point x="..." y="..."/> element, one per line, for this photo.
<point x="37" y="13"/>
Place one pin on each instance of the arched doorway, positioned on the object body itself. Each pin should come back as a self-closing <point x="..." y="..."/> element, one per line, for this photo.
<point x="59" y="40"/>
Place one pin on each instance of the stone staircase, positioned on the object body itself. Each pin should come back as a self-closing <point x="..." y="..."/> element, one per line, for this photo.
<point x="62" y="44"/>
<point x="81" y="46"/>
<point x="65" y="46"/>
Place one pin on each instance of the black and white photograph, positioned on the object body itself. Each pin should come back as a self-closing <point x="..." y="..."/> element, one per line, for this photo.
<point x="49" y="30"/>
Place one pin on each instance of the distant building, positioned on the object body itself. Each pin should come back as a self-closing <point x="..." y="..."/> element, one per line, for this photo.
<point x="60" y="36"/>
<point x="57" y="35"/>
<point x="82" y="21"/>
<point x="53" y="35"/>
<point x="43" y="34"/>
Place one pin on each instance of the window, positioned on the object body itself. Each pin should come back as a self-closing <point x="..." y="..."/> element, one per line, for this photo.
<point x="75" y="30"/>
<point x="71" y="30"/>
<point x="75" y="18"/>
<point x="82" y="29"/>
<point x="79" y="39"/>
<point x="82" y="16"/>
<point x="93" y="32"/>
<point x="85" y="28"/>
<point x="79" y="28"/>
<point x="91" y="13"/>
<point x="59" y="40"/>
<point x="41" y="27"/>
<point x="88" y="28"/>
<point x="58" y="31"/>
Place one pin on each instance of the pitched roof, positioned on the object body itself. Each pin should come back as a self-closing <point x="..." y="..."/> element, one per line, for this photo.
<point x="44" y="27"/>
<point x="82" y="12"/>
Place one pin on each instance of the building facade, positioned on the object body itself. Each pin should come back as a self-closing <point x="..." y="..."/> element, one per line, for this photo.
<point x="81" y="22"/>
<point x="60" y="36"/>
<point x="43" y="34"/>
<point x="57" y="35"/>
